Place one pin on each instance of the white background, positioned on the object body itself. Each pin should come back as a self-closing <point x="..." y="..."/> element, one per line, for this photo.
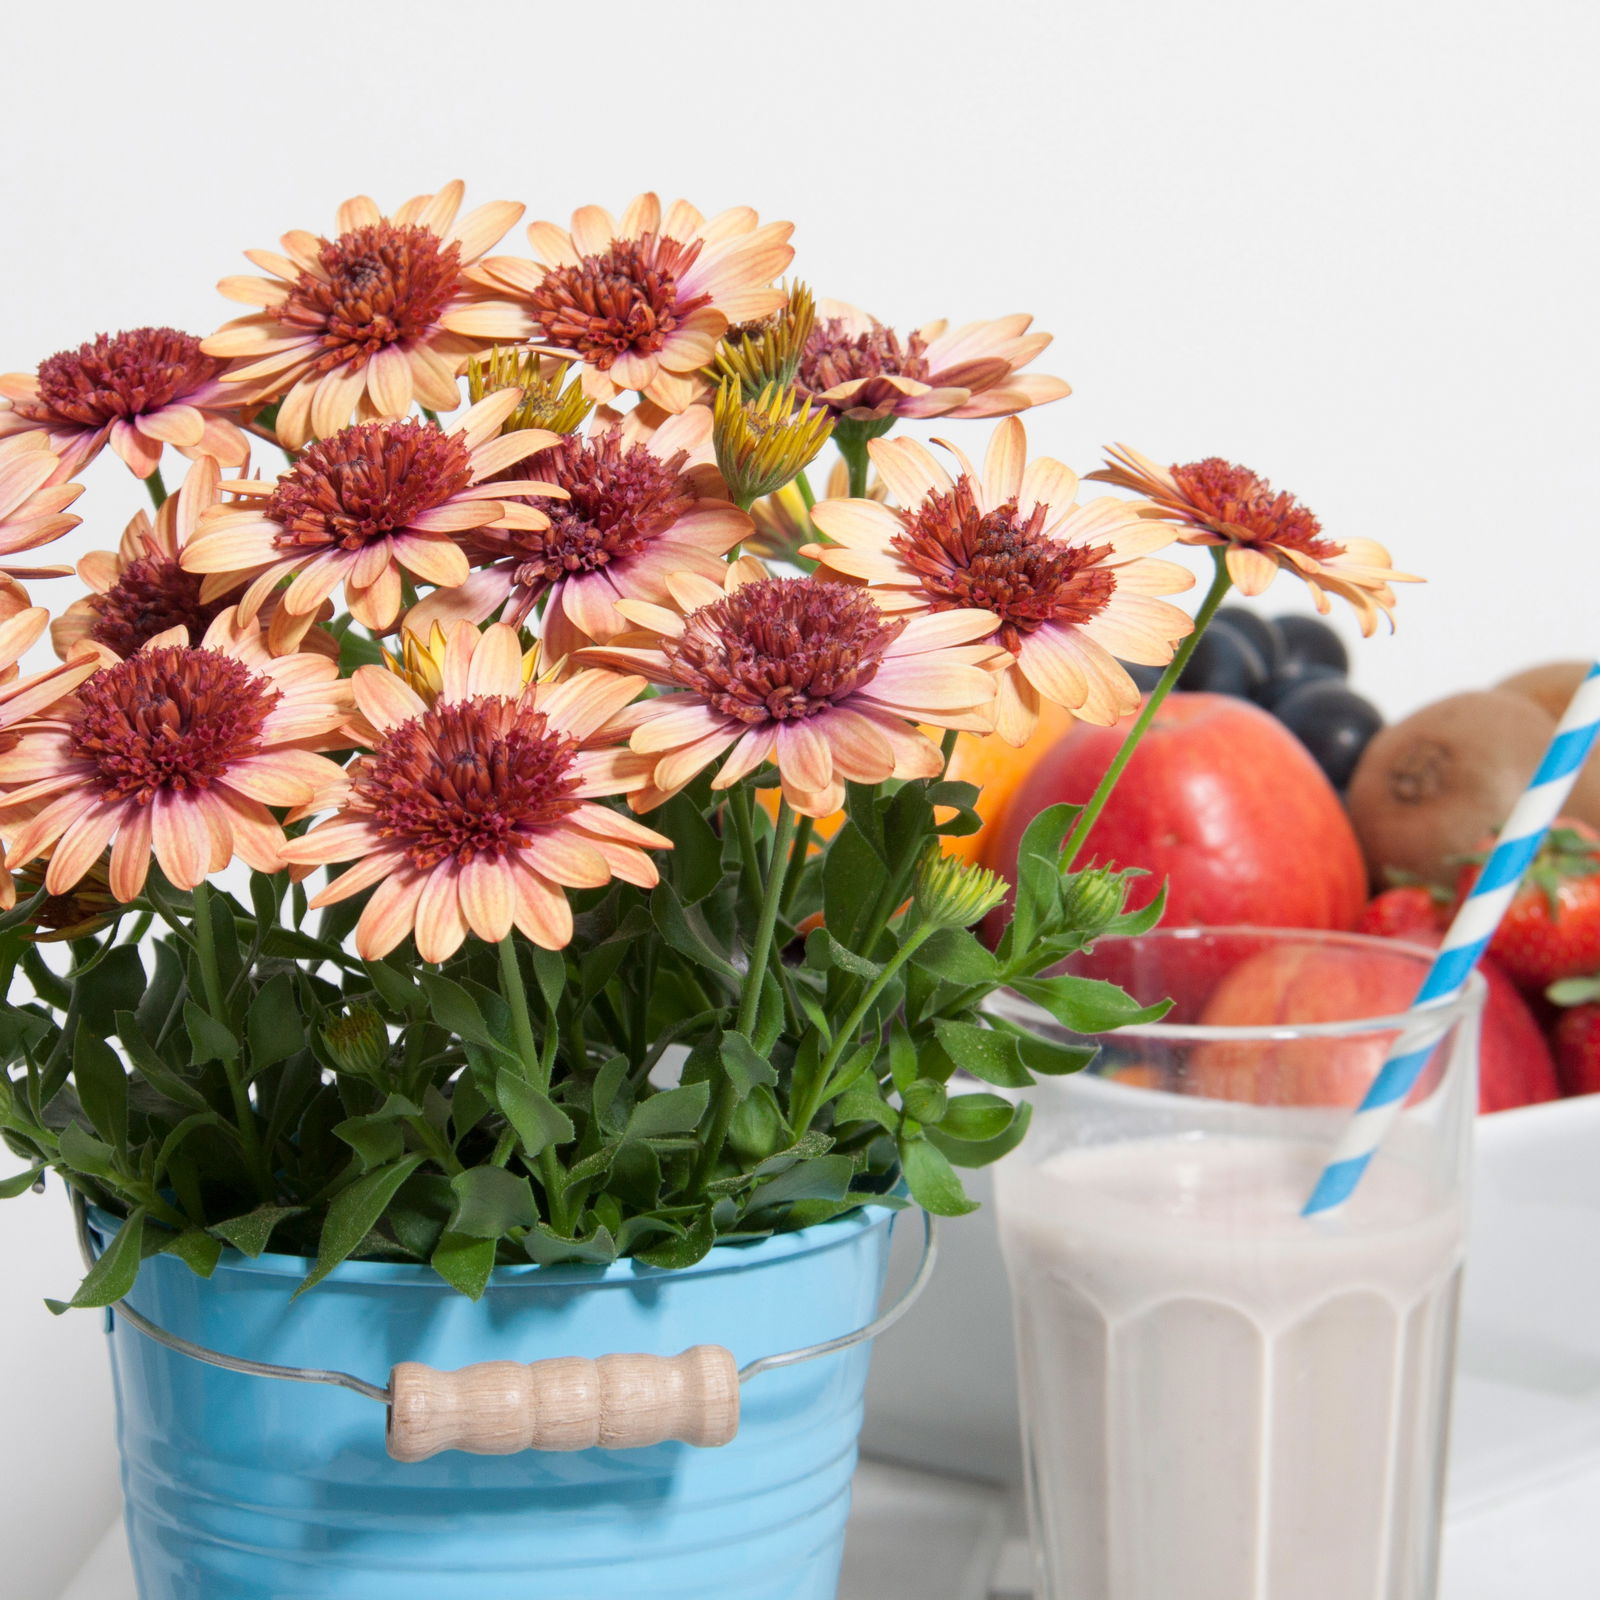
<point x="1351" y="245"/>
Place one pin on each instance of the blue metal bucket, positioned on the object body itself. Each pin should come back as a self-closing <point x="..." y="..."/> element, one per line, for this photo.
<point x="242" y="1488"/>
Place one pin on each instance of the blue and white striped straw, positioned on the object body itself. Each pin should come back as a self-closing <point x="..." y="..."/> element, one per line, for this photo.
<point x="1469" y="934"/>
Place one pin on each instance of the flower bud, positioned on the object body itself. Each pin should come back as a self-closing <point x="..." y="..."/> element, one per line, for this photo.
<point x="1093" y="899"/>
<point x="770" y="351"/>
<point x="951" y="893"/>
<point x="763" y="444"/>
<point x="548" y="400"/>
<point x="358" y="1041"/>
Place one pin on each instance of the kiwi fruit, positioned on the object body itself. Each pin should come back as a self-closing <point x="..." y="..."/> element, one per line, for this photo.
<point x="1552" y="686"/>
<point x="1428" y="790"/>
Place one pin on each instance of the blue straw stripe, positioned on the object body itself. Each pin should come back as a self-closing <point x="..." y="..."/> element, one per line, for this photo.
<point x="1510" y="860"/>
<point x="1506" y="867"/>
<point x="1337" y="1184"/>
<point x="1566" y="754"/>
<point x="1450" y="970"/>
<point x="1397" y="1079"/>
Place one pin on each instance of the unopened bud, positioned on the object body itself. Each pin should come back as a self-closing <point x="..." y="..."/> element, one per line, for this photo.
<point x="548" y="399"/>
<point x="358" y="1041"/>
<point x="764" y="443"/>
<point x="1093" y="899"/>
<point x="951" y="893"/>
<point x="769" y="351"/>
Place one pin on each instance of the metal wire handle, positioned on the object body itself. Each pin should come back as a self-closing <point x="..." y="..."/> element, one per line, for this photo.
<point x="373" y="1391"/>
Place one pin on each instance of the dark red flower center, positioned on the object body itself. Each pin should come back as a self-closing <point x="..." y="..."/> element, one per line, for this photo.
<point x="834" y="355"/>
<point x="781" y="649"/>
<point x="122" y="375"/>
<point x="170" y="719"/>
<point x="467" y="778"/>
<point x="365" y="482"/>
<point x="1002" y="562"/>
<point x="626" y="301"/>
<point x="621" y="497"/>
<point x="1244" y="507"/>
<point x="381" y="285"/>
<point x="151" y="595"/>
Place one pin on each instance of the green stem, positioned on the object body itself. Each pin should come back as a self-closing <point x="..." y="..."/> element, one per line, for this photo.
<point x="750" y="1002"/>
<point x="858" y="463"/>
<point x="158" y="489"/>
<point x="797" y="863"/>
<point x="205" y="944"/>
<point x="803" y="483"/>
<point x="741" y="808"/>
<point x="846" y="1035"/>
<point x="516" y="997"/>
<point x="1221" y="583"/>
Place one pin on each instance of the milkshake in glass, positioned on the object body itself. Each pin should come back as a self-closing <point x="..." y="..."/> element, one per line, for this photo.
<point x="1221" y="1399"/>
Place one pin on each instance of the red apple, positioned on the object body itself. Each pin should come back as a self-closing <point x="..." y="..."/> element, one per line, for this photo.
<point x="1312" y="983"/>
<point x="1222" y="802"/>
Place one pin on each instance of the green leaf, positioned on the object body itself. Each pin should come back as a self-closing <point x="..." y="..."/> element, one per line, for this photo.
<point x="852" y="874"/>
<point x="977" y="1117"/>
<point x="863" y="1103"/>
<point x="464" y="1262"/>
<point x="102" y="1086"/>
<point x="980" y="1152"/>
<point x="932" y="1180"/>
<point x="378" y="1138"/>
<point x="609" y="1117"/>
<point x="353" y="1214"/>
<point x="82" y="1152"/>
<point x="549" y="1249"/>
<point x="926" y="1100"/>
<point x="468" y="1105"/>
<point x="824" y="951"/>
<point x="745" y="1065"/>
<point x="250" y="1233"/>
<point x="211" y="1041"/>
<point x="955" y="956"/>
<point x="1038" y="875"/>
<point x="274" y="1027"/>
<point x="695" y="863"/>
<point x="1052" y="1059"/>
<point x="685" y="930"/>
<point x="538" y="1120"/>
<point x="550" y="973"/>
<point x="1088" y="1005"/>
<point x="457" y="1012"/>
<point x="116" y="983"/>
<point x="903" y="1066"/>
<point x="676" y="1254"/>
<point x="669" y="1111"/>
<point x="174" y="1141"/>
<point x="821" y="1178"/>
<point x="19" y="1183"/>
<point x="983" y="1053"/>
<point x="396" y="989"/>
<point x="111" y="1277"/>
<point x="196" y="1249"/>
<point x="490" y="1202"/>
<point x="155" y="1071"/>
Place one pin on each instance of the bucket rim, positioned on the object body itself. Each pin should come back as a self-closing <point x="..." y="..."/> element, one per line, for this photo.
<point x="629" y="1272"/>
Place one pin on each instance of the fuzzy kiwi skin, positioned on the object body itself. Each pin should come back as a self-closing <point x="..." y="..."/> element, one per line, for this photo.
<point x="1428" y="790"/>
<point x="1552" y="686"/>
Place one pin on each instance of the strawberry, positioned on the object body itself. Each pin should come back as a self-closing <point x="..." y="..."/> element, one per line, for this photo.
<point x="1577" y="1042"/>
<point x="1552" y="928"/>
<point x="1407" y="912"/>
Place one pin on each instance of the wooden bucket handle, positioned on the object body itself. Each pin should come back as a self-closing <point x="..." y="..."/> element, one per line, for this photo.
<point x="621" y="1402"/>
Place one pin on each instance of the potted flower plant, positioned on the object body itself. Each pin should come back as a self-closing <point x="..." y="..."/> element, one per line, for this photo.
<point x="464" y="905"/>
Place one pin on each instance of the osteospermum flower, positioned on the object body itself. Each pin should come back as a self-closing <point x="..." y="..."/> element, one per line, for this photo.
<point x="33" y="502"/>
<point x="475" y="813"/>
<point x="1072" y="587"/>
<point x="369" y="322"/>
<point x="1261" y="531"/>
<point x="868" y="373"/>
<point x="807" y="674"/>
<point x="142" y="589"/>
<point x="363" y="506"/>
<point x="176" y="753"/>
<point x="136" y="391"/>
<point x="641" y="302"/>
<point x="639" y="506"/>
